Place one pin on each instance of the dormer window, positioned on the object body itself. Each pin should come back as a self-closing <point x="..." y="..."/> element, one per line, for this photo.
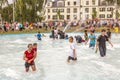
<point x="60" y="3"/>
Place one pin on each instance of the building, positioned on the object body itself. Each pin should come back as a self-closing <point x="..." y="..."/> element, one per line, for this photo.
<point x="71" y="10"/>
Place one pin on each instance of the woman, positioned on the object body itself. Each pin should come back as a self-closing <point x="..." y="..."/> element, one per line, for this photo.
<point x="29" y="57"/>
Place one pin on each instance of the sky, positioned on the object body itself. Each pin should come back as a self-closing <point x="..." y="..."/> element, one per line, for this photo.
<point x="10" y="1"/>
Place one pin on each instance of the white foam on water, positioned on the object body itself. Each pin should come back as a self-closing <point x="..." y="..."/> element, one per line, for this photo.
<point x="51" y="60"/>
<point x="11" y="73"/>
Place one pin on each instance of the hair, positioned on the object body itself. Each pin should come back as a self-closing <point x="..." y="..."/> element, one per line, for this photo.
<point x="34" y="44"/>
<point x="29" y="45"/>
<point x="38" y="32"/>
<point x="85" y="31"/>
<point x="108" y="29"/>
<point x="103" y="30"/>
<point x="71" y="37"/>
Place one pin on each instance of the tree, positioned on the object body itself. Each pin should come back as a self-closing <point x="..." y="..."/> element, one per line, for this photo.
<point x="58" y="14"/>
<point x="94" y="14"/>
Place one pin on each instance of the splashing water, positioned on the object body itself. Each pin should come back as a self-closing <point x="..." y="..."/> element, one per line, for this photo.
<point x="51" y="60"/>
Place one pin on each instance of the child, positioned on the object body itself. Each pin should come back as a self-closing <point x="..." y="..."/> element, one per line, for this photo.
<point x="92" y="38"/>
<point x="86" y="36"/>
<point x="35" y="48"/>
<point x="39" y="36"/>
<point x="108" y="33"/>
<point x="72" y="53"/>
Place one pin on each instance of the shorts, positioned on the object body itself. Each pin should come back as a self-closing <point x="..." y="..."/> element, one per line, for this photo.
<point x="39" y="39"/>
<point x="92" y="45"/>
<point x="71" y="58"/>
<point x="27" y="65"/>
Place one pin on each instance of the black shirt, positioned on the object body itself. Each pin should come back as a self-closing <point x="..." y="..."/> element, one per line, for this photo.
<point x="102" y="40"/>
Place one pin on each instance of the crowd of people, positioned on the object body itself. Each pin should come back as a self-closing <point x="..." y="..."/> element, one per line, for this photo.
<point x="17" y="26"/>
<point x="96" y="42"/>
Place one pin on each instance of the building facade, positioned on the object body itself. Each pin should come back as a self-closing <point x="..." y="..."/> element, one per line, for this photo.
<point x="70" y="10"/>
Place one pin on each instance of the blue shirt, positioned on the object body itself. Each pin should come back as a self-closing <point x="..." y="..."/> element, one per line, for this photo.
<point x="92" y="39"/>
<point x="39" y="36"/>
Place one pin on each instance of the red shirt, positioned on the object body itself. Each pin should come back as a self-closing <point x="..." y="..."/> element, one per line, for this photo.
<point x="29" y="55"/>
<point x="34" y="49"/>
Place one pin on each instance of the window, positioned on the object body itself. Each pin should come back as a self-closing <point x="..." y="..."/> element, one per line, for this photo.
<point x="93" y="9"/>
<point x="102" y="16"/>
<point x="48" y="10"/>
<point x="87" y="2"/>
<point x="109" y="9"/>
<point x="93" y="2"/>
<point x="68" y="10"/>
<point x="75" y="10"/>
<point x="87" y="16"/>
<point x="68" y="3"/>
<point x="54" y="17"/>
<point x="48" y="16"/>
<point x="75" y="16"/>
<point x="109" y="16"/>
<point x="68" y="17"/>
<point x="60" y="3"/>
<point x="87" y="10"/>
<point x="74" y="2"/>
<point x="102" y="9"/>
<point x="61" y="10"/>
<point x="48" y="4"/>
<point x="62" y="17"/>
<point x="54" y="10"/>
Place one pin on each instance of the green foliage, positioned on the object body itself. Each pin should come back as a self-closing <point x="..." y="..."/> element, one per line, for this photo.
<point x="94" y="14"/>
<point x="25" y="10"/>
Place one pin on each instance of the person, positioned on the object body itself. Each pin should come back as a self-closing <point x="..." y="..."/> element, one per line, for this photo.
<point x="78" y="39"/>
<point x="35" y="48"/>
<point x="39" y="36"/>
<point x="56" y="33"/>
<point x="92" y="38"/>
<point x="86" y="36"/>
<point x="108" y="33"/>
<point x="101" y="43"/>
<point x="53" y="33"/>
<point x="72" y="53"/>
<point x="29" y="57"/>
<point x="116" y="29"/>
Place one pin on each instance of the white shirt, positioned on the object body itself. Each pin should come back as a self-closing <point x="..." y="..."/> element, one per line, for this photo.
<point x="72" y="47"/>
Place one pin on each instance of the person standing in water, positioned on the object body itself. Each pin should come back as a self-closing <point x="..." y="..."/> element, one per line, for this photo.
<point x="92" y="38"/>
<point x="86" y="36"/>
<point x="39" y="36"/>
<point x="53" y="33"/>
<point x="101" y="43"/>
<point x="116" y="30"/>
<point x="109" y="33"/>
<point x="72" y="53"/>
<point x="29" y="57"/>
<point x="35" y="48"/>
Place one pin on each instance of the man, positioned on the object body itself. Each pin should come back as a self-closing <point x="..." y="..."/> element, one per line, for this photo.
<point x="101" y="43"/>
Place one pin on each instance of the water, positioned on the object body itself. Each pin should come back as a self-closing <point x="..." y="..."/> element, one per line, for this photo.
<point x="51" y="60"/>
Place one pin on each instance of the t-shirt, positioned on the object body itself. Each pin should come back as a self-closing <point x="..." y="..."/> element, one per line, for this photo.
<point x="72" y="47"/>
<point x="92" y="39"/>
<point x="102" y="40"/>
<point x="39" y="36"/>
<point x="29" y="55"/>
<point x="34" y="49"/>
<point x="116" y="29"/>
